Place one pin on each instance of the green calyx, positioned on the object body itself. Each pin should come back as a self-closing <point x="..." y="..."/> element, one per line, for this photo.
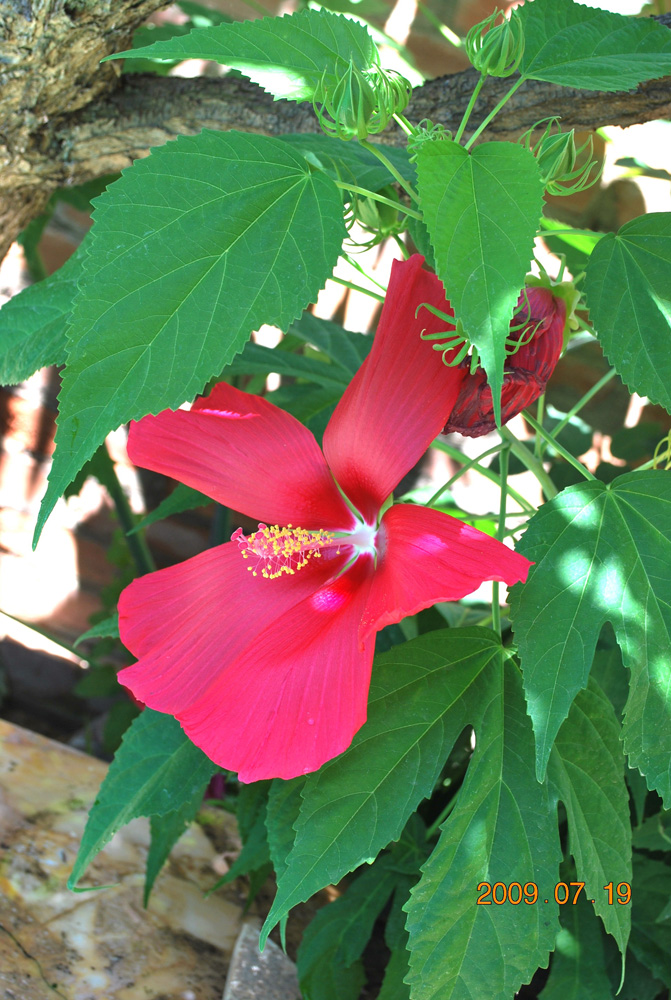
<point x="361" y="103"/>
<point x="496" y="49"/>
<point x="564" y="167"/>
<point x="375" y="217"/>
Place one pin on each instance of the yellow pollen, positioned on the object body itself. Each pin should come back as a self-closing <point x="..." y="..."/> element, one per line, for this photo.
<point x="278" y="550"/>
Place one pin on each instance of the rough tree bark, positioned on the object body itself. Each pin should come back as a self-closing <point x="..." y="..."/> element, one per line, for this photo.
<point x="65" y="119"/>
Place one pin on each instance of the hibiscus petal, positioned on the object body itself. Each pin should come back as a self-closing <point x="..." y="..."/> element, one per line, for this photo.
<point x="187" y="622"/>
<point x="246" y="453"/>
<point x="400" y="398"/>
<point x="295" y="698"/>
<point x="426" y="556"/>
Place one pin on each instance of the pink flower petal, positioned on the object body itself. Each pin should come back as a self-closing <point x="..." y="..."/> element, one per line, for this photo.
<point x="426" y="556"/>
<point x="188" y="622"/>
<point x="246" y="453"/>
<point x="400" y="398"/>
<point x="296" y="696"/>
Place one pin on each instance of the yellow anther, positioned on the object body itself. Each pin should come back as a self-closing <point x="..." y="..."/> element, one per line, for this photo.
<point x="281" y="550"/>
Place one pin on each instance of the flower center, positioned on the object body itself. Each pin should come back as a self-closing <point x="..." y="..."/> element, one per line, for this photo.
<point x="276" y="550"/>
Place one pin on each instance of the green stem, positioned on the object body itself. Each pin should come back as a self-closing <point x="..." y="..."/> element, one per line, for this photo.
<point x="403" y="122"/>
<point x="353" y="262"/>
<point x="543" y="231"/>
<point x="483" y="125"/>
<point x="541" y="412"/>
<point x="401" y="246"/>
<point x="487" y="473"/>
<point x="471" y="104"/>
<point x="528" y="459"/>
<point x="378" y="197"/>
<point x="435" y="826"/>
<point x="357" y="288"/>
<point x="398" y="177"/>
<point x="450" y="36"/>
<point x="558" y="448"/>
<point x="583" y="401"/>
<point x="500" y="531"/>
<point x="471" y="463"/>
<point x="137" y="546"/>
<point x="47" y="635"/>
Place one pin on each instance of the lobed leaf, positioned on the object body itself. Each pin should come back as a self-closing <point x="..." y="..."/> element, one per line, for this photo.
<point x="586" y="770"/>
<point x="156" y="771"/>
<point x="502" y="829"/>
<point x="629" y="297"/>
<point x="423" y="694"/>
<point x="288" y="56"/>
<point x="195" y="246"/>
<point x="578" y="46"/>
<point x="578" y="968"/>
<point x="602" y="554"/>
<point x="482" y="210"/>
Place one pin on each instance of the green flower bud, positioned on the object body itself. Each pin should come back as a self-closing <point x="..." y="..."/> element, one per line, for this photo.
<point x="496" y="49"/>
<point x="360" y="103"/>
<point x="375" y="217"/>
<point x="557" y="156"/>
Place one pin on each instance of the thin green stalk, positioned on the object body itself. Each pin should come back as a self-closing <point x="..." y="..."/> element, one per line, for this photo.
<point x="471" y="104"/>
<point x="583" y="401"/>
<point x="357" y="288"/>
<point x="398" y="177"/>
<point x="47" y="635"/>
<point x="403" y="123"/>
<point x="487" y="473"/>
<point x="378" y="197"/>
<point x="494" y="112"/>
<point x="137" y="546"/>
<point x="569" y="232"/>
<point x="558" y="447"/>
<point x="437" y="823"/>
<point x="541" y="413"/>
<point x="471" y="463"/>
<point x="401" y="246"/>
<point x="450" y="36"/>
<point x="500" y="531"/>
<point x="529" y="460"/>
<point x="357" y="267"/>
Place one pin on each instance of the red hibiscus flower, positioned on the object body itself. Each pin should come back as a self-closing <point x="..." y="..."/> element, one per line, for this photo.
<point x="539" y="327"/>
<point x="262" y="647"/>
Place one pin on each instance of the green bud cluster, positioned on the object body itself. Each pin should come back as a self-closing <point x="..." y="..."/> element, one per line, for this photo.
<point x="558" y="159"/>
<point x="361" y="102"/>
<point x="375" y="217"/>
<point x="496" y="49"/>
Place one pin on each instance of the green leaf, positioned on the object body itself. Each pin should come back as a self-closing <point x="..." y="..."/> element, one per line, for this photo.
<point x="344" y="348"/>
<point x="602" y="555"/>
<point x="312" y="405"/>
<point x="284" y="803"/>
<point x="165" y="832"/>
<point x="242" y="233"/>
<point x="109" y="628"/>
<point x="181" y="498"/>
<point x="574" y="247"/>
<point x="578" y="968"/>
<point x="32" y="324"/>
<point x="629" y="297"/>
<point x="587" y="773"/>
<point x="155" y="772"/>
<point x="351" y="163"/>
<point x="255" y="358"/>
<point x="654" y="834"/>
<point x="423" y="694"/>
<point x="650" y="936"/>
<point x="482" y="210"/>
<point x="288" y="56"/>
<point x="502" y="829"/>
<point x="578" y="46"/>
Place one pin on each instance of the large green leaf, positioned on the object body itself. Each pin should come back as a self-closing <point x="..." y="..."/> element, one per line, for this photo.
<point x="650" y="933"/>
<point x="578" y="46"/>
<point x="482" y="210"/>
<point x="257" y="359"/>
<point x="628" y="292"/>
<point x="288" y="56"/>
<point x="423" y="694"/>
<point x="193" y="248"/>
<point x="165" y="832"/>
<point x="503" y="829"/>
<point x="33" y="323"/>
<point x="578" y="969"/>
<point x="284" y="803"/>
<point x="351" y="163"/>
<point x="587" y="772"/>
<point x="602" y="554"/>
<point x="156" y="771"/>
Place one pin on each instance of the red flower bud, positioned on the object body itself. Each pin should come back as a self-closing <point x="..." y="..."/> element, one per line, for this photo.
<point x="526" y="372"/>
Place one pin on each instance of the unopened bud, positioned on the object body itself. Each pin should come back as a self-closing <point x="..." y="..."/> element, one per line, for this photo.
<point x="557" y="156"/>
<point x="496" y="49"/>
<point x="360" y="103"/>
